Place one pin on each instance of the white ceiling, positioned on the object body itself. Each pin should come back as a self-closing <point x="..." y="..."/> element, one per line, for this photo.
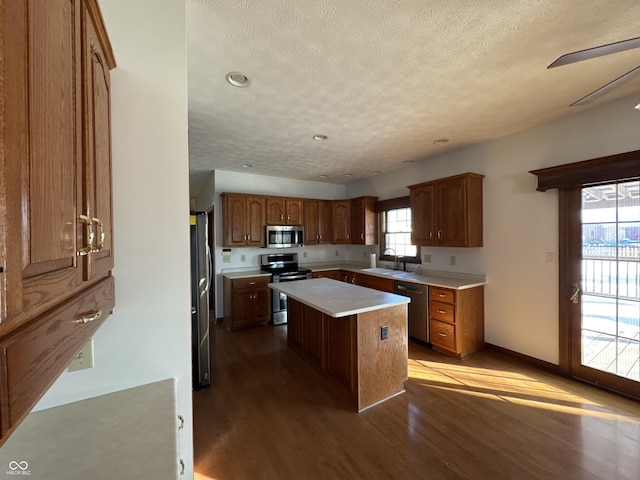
<point x="384" y="79"/>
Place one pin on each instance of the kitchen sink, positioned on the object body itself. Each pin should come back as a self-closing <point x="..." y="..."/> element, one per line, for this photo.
<point x="386" y="271"/>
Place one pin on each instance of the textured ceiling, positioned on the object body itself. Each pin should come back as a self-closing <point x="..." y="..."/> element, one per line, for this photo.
<point x="384" y="79"/>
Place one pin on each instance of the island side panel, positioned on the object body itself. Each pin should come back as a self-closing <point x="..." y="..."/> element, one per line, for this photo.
<point x="382" y="364"/>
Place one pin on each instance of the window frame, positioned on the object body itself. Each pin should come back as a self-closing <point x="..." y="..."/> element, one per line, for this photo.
<point x="382" y="207"/>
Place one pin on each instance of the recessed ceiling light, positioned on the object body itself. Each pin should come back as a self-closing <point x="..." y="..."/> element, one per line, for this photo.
<point x="323" y="176"/>
<point x="441" y="141"/>
<point x="409" y="162"/>
<point x="320" y="138"/>
<point x="376" y="172"/>
<point x="246" y="165"/>
<point x="237" y="79"/>
<point x="347" y="175"/>
<point x="637" y="107"/>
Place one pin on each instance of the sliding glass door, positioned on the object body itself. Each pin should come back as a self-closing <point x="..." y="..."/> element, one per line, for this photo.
<point x="605" y="325"/>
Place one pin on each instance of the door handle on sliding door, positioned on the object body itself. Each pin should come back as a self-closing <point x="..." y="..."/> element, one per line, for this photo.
<point x="576" y="292"/>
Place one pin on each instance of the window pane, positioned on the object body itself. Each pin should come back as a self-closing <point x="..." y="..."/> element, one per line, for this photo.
<point x="398" y="232"/>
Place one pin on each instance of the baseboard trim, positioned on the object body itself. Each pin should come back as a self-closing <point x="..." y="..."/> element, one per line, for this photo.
<point x="522" y="358"/>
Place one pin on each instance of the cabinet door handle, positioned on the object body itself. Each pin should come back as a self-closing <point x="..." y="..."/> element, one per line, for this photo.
<point x="90" y="235"/>
<point x="252" y="283"/>
<point x="431" y="234"/>
<point x="442" y="334"/>
<point x="439" y="234"/>
<point x="442" y="294"/>
<point x="89" y="317"/>
<point x="182" y="467"/>
<point x="441" y="311"/>
<point x="100" y="245"/>
<point x="181" y="418"/>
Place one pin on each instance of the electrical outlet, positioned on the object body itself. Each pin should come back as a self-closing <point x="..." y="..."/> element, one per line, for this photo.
<point x="452" y="260"/>
<point x="427" y="258"/>
<point x="242" y="258"/>
<point x="304" y="254"/>
<point x="84" y="358"/>
<point x="337" y="253"/>
<point x="384" y="332"/>
<point x="551" y="257"/>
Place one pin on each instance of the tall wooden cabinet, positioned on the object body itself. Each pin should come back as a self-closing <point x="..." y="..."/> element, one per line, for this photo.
<point x="243" y="223"/>
<point x="341" y="221"/>
<point x="317" y="222"/>
<point x="55" y="193"/>
<point x="448" y="212"/>
<point x="364" y="221"/>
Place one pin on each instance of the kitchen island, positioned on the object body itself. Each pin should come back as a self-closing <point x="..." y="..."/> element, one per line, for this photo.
<point x="355" y="337"/>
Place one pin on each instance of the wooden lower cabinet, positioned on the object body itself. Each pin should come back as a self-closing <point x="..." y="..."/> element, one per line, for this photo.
<point x="456" y="320"/>
<point x="377" y="283"/>
<point x="247" y="302"/>
<point x="349" y="353"/>
<point x="333" y="274"/>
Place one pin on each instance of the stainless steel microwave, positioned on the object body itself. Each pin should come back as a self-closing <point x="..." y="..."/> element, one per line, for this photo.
<point x="285" y="236"/>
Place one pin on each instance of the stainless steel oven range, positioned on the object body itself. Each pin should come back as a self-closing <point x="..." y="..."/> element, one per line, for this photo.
<point x="283" y="267"/>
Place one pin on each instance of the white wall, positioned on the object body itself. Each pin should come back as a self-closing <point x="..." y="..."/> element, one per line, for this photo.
<point x="148" y="337"/>
<point x="520" y="224"/>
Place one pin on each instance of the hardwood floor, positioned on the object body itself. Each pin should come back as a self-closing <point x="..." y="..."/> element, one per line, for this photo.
<point x="267" y="415"/>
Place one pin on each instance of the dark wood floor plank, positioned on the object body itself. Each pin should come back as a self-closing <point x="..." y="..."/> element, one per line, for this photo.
<point x="267" y="415"/>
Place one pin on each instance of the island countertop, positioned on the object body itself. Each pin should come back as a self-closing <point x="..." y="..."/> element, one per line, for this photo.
<point x="338" y="299"/>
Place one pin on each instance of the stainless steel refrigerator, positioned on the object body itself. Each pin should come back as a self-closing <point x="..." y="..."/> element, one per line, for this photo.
<point x="201" y="267"/>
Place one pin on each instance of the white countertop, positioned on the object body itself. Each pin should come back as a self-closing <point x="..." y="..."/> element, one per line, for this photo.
<point x="132" y="433"/>
<point x="456" y="281"/>
<point x="338" y="299"/>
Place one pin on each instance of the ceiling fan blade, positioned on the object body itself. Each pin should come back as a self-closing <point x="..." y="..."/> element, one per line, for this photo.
<point x="594" y="52"/>
<point x="607" y="88"/>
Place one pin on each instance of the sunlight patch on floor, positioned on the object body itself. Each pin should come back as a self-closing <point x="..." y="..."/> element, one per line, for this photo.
<point x="506" y="386"/>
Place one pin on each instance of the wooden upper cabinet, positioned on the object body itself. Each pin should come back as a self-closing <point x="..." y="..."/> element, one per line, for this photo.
<point x="448" y="212"/>
<point x="284" y="211"/>
<point x="55" y="193"/>
<point x="57" y="154"/>
<point x="311" y="235"/>
<point x="341" y="221"/>
<point x="423" y="224"/>
<point x="364" y="221"/>
<point x="244" y="220"/>
<point x="317" y="222"/>
<point x="97" y="152"/>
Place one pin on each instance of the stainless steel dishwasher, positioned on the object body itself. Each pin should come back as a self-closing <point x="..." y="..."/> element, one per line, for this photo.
<point x="418" y="308"/>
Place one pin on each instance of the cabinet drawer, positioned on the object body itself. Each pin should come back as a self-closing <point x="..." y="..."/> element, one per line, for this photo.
<point x="442" y="311"/>
<point x="33" y="358"/>
<point x="443" y="335"/>
<point x="251" y="282"/>
<point x="442" y="294"/>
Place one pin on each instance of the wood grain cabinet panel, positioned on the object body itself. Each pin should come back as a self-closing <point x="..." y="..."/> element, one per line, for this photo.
<point x="33" y="358"/>
<point x="247" y="302"/>
<point x="333" y="274"/>
<point x="456" y="320"/>
<point x="364" y="221"/>
<point x="341" y="231"/>
<point x="317" y="222"/>
<point x="448" y="212"/>
<point x="55" y="191"/>
<point x="243" y="224"/>
<point x="377" y="283"/>
<point x="283" y="211"/>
